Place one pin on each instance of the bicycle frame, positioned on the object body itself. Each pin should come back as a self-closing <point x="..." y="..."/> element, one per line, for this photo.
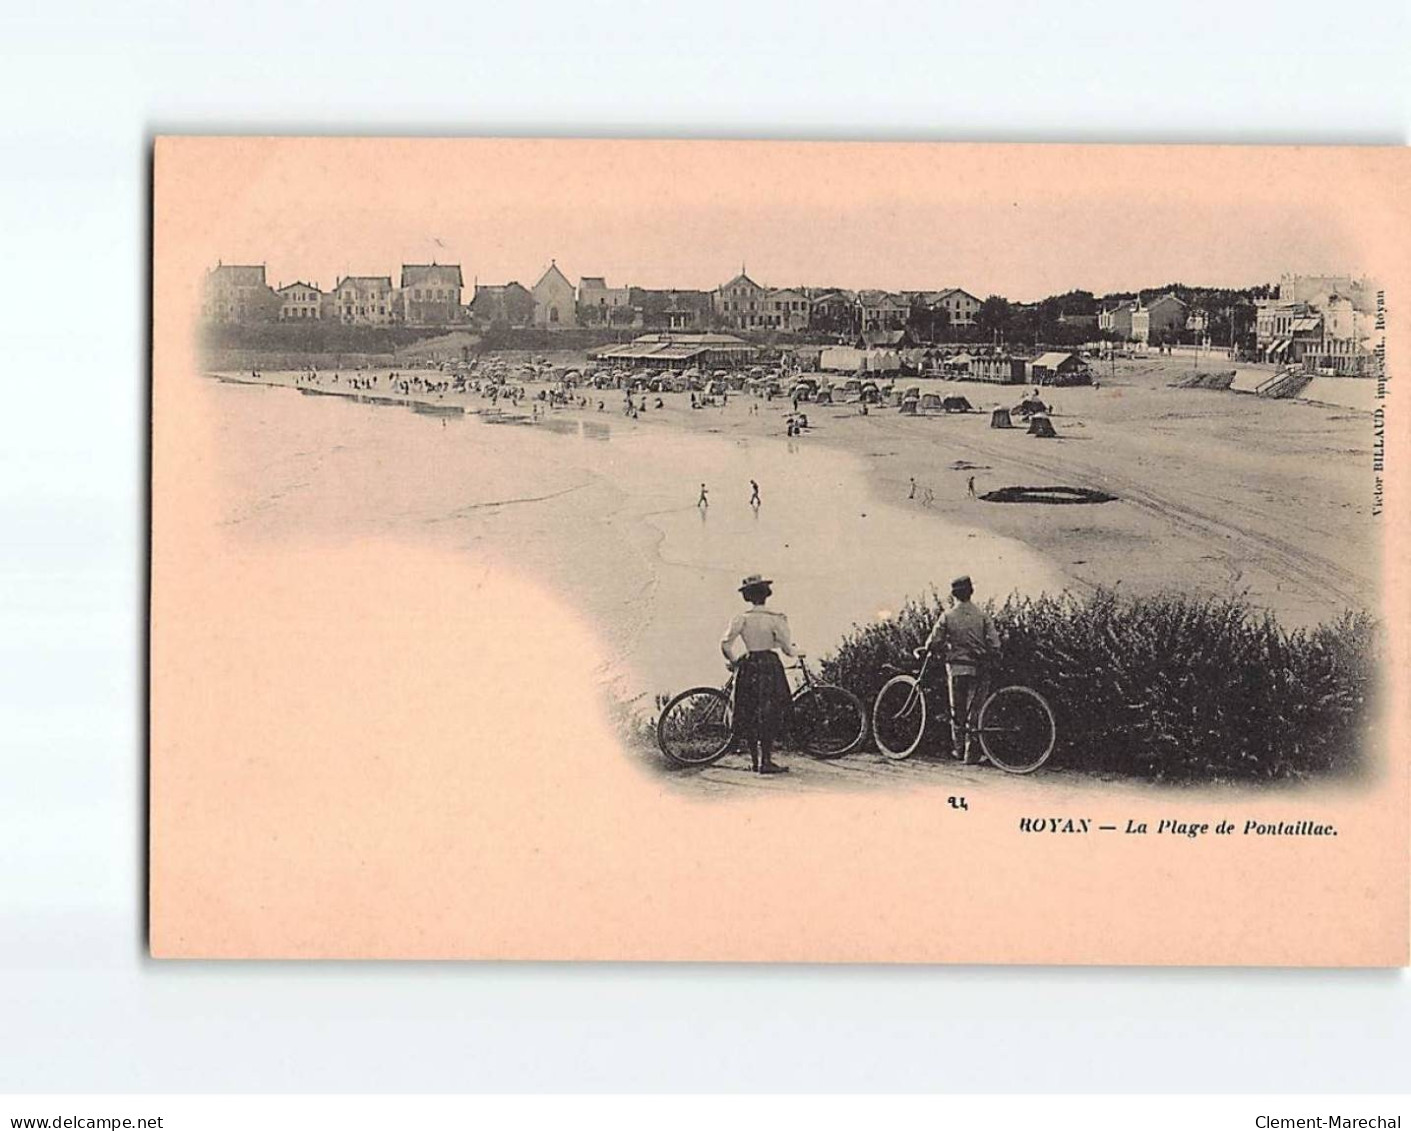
<point x="919" y="689"/>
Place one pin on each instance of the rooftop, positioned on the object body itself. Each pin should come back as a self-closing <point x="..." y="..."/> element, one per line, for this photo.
<point x="1053" y="359"/>
<point x="443" y="274"/>
<point x="249" y="274"/>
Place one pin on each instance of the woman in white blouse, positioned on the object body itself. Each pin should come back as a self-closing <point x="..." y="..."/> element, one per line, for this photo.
<point x="762" y="693"/>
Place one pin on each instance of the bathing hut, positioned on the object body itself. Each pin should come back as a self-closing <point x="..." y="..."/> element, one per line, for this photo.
<point x="1042" y="426"/>
<point x="1000" y="419"/>
<point x="1000" y="369"/>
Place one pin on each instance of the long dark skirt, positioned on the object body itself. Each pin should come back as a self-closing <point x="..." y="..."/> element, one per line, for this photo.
<point x="762" y="697"/>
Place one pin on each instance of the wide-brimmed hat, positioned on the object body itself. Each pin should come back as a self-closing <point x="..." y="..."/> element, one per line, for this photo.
<point x="755" y="581"/>
<point x="961" y="582"/>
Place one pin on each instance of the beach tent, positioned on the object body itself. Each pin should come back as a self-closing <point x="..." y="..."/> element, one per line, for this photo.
<point x="1042" y="426"/>
<point x="1030" y="405"/>
<point x="931" y="402"/>
<point x="909" y="405"/>
<point x="956" y="404"/>
<point x="1000" y="419"/>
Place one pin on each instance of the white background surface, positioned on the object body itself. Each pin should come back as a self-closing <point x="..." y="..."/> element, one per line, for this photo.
<point x="85" y="87"/>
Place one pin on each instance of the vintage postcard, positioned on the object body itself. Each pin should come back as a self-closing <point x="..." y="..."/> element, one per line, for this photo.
<point x="771" y="551"/>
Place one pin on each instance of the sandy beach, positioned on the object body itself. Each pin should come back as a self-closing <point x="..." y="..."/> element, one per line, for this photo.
<point x="1215" y="492"/>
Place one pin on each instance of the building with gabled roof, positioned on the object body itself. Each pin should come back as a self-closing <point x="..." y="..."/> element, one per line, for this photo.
<point x="882" y="310"/>
<point x="740" y="302"/>
<point x="300" y="302"/>
<point x="1159" y="319"/>
<point x="431" y="294"/>
<point x="555" y="302"/>
<point x="364" y="300"/>
<point x="1115" y="317"/>
<point x="507" y="304"/>
<point x="786" y="309"/>
<point x="238" y="292"/>
<point x="833" y="311"/>
<point x="960" y="306"/>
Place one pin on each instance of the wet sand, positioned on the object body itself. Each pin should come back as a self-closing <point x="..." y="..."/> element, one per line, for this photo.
<point x="606" y="514"/>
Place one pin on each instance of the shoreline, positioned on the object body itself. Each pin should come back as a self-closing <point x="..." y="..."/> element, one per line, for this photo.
<point x="1216" y="492"/>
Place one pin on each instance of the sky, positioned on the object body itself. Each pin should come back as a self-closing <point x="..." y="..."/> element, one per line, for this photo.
<point x="1022" y="221"/>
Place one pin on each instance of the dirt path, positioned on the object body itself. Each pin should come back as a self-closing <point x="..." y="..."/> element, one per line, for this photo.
<point x="863" y="770"/>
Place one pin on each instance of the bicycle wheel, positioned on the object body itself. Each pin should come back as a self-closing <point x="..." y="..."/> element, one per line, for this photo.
<point x="694" y="729"/>
<point x="829" y="721"/>
<point x="1016" y="729"/>
<point x="899" y="717"/>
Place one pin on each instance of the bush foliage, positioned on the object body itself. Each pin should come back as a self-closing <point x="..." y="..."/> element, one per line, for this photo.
<point x="1170" y="688"/>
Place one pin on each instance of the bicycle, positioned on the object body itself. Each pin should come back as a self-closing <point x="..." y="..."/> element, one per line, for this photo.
<point x="696" y="728"/>
<point x="1015" y="724"/>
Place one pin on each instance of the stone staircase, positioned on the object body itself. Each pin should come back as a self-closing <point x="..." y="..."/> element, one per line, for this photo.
<point x="1285" y="384"/>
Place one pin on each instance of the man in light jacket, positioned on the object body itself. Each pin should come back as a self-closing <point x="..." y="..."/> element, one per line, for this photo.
<point x="966" y="637"/>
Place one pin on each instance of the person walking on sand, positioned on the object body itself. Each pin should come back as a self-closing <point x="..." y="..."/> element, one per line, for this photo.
<point x="913" y="488"/>
<point x="761" y="696"/>
<point x="970" y="486"/>
<point x="967" y="637"/>
<point x="754" y="494"/>
<point x="703" y="502"/>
